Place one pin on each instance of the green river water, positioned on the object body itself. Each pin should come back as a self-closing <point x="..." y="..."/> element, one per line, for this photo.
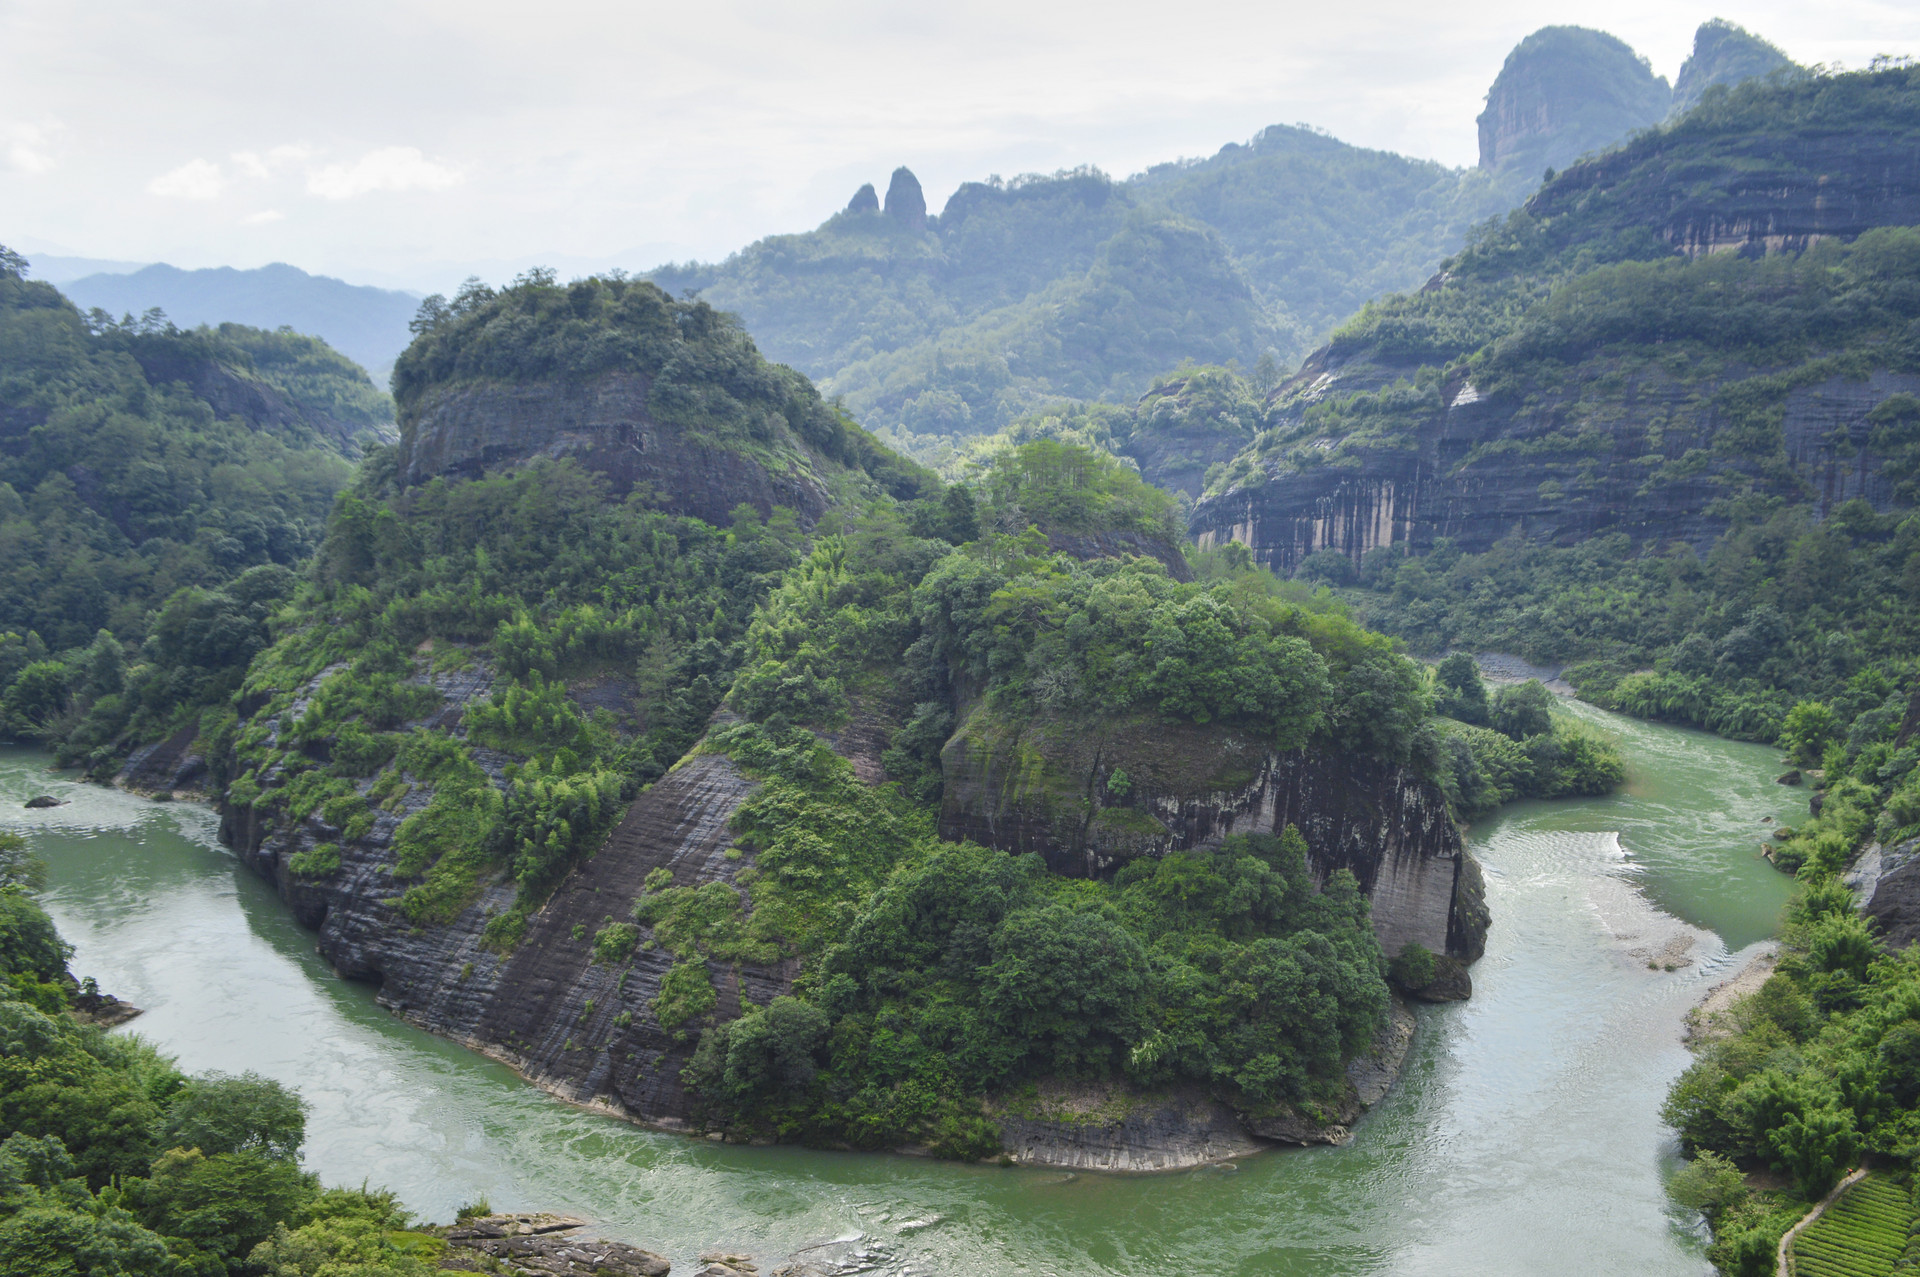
<point x="1523" y="1138"/>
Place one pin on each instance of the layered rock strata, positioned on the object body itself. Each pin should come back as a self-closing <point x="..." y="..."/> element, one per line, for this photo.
<point x="605" y="424"/>
<point x="1049" y="788"/>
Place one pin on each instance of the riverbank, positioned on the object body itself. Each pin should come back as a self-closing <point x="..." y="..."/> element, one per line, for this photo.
<point x="1567" y="1031"/>
<point x="1711" y="1018"/>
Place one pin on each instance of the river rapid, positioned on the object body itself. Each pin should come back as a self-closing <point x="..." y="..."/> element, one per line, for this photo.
<point x="1523" y="1138"/>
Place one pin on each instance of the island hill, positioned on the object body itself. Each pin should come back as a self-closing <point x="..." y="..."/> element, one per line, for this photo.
<point x="643" y="723"/>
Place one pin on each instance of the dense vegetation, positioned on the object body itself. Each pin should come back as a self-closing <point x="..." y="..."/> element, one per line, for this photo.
<point x="934" y="972"/>
<point x="1816" y="1070"/>
<point x="536" y="584"/>
<point x="115" y="1163"/>
<point x="156" y="489"/>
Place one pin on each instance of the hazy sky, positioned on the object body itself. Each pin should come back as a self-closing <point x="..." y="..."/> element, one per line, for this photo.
<point x="408" y="141"/>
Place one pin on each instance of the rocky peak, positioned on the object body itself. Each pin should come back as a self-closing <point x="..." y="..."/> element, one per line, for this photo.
<point x="906" y="203"/>
<point x="1565" y="91"/>
<point x="864" y="200"/>
<point x="1723" y="54"/>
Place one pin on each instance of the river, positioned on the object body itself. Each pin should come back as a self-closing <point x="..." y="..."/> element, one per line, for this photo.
<point x="1524" y="1137"/>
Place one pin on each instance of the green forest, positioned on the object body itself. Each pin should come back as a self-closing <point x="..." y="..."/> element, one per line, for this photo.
<point x="159" y="490"/>
<point x="116" y="1162"/>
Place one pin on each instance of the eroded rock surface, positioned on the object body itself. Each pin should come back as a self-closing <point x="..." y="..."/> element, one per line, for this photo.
<point x="606" y="425"/>
<point x="1191" y="787"/>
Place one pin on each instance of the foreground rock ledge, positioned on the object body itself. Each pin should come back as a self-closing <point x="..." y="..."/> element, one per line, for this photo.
<point x="546" y="1245"/>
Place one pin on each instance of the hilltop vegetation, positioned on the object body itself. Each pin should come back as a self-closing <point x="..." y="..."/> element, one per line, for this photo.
<point x="157" y="489"/>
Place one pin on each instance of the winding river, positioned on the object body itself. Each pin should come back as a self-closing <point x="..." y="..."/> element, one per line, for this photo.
<point x="1524" y="1137"/>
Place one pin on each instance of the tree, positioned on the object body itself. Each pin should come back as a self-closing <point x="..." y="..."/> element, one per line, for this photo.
<point x="1460" y="692"/>
<point x="217" y="1114"/>
<point x="1520" y="710"/>
<point x="1810" y="727"/>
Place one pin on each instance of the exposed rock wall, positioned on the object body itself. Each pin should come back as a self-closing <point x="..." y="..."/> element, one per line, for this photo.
<point x="547" y="1008"/>
<point x="605" y="424"/>
<point x="1564" y="91"/>
<point x="1045" y="788"/>
<point x="1557" y="468"/>
<point x="1888" y="883"/>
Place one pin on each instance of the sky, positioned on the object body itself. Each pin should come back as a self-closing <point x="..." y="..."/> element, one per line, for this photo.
<point x="411" y="142"/>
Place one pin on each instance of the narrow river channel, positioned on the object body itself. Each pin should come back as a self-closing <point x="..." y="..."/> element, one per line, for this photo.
<point x="1524" y="1137"/>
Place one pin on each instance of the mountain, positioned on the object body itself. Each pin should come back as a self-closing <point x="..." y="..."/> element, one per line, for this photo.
<point x="1724" y="53"/>
<point x="56" y="269"/>
<point x="1565" y="91"/>
<point x="368" y="325"/>
<point x="1537" y="384"/>
<point x="639" y="707"/>
<point x="1078" y="286"/>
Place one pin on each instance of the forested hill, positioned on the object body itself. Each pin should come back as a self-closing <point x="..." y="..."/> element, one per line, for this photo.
<point x="157" y="487"/>
<point x="1084" y="287"/>
<point x="645" y="723"/>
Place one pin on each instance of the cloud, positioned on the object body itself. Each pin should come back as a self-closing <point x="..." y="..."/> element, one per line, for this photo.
<point x="256" y="165"/>
<point x="392" y="168"/>
<point x="194" y="180"/>
<point x="26" y="149"/>
<point x="264" y="216"/>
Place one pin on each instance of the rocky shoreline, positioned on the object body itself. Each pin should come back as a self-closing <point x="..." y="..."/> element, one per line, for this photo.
<point x="1104" y="1127"/>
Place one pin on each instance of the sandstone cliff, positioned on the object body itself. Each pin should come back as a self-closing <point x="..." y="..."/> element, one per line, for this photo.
<point x="606" y="424"/>
<point x="1565" y="91"/>
<point x="1477" y="469"/>
<point x="1049" y="788"/>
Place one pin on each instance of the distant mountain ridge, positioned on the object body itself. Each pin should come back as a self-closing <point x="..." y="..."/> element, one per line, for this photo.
<point x="368" y="325"/>
<point x="1080" y="286"/>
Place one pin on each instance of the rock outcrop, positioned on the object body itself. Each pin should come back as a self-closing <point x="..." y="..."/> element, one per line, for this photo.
<point x="1723" y="53"/>
<point x="542" y="1246"/>
<point x="864" y="200"/>
<point x="1048" y="788"/>
<point x="467" y="429"/>
<point x="1565" y="91"/>
<point x="579" y="1029"/>
<point x="169" y="766"/>
<point x="906" y="202"/>
<point x="1887" y="882"/>
<point x="1482" y="469"/>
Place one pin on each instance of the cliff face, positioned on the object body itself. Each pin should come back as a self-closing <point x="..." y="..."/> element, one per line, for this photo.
<point x="1049" y="788"/>
<point x="1565" y="91"/>
<point x="1728" y="358"/>
<point x="464" y="430"/>
<point x="582" y="1030"/>
<point x="1626" y="455"/>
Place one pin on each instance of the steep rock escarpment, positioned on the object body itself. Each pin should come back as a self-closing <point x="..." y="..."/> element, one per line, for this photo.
<point x="464" y="430"/>
<point x="1562" y="92"/>
<point x="1557" y="467"/>
<point x="1050" y="788"/>
<point x="578" y="1028"/>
